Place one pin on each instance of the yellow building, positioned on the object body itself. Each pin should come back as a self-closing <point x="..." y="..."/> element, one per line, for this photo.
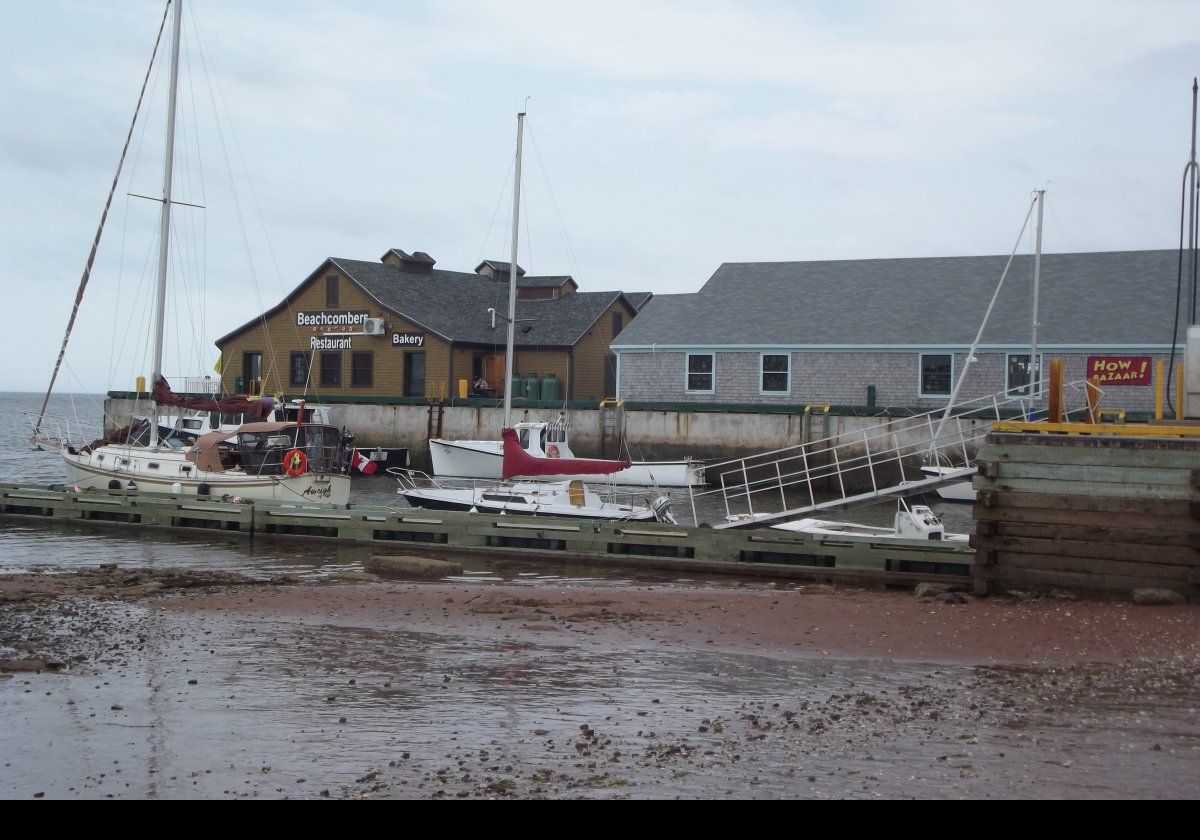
<point x="401" y="328"/>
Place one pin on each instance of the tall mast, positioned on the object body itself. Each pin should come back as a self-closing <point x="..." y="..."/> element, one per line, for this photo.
<point x="512" y="279"/>
<point x="1037" y="281"/>
<point x="1192" y="213"/>
<point x="164" y="232"/>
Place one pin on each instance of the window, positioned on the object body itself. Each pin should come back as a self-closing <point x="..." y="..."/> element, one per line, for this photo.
<point x="414" y="374"/>
<point x="1017" y="378"/>
<point x="700" y="368"/>
<point x="618" y="323"/>
<point x="937" y="372"/>
<point x="362" y="366"/>
<point x="331" y="292"/>
<point x="776" y="369"/>
<point x="331" y="369"/>
<point x="298" y="368"/>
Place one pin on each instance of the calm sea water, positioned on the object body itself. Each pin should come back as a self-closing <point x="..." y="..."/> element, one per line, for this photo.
<point x="23" y="546"/>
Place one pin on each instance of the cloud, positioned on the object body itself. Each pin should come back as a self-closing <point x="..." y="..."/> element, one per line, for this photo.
<point x="662" y="108"/>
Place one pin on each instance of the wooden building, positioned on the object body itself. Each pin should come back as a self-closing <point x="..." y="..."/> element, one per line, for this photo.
<point x="402" y="328"/>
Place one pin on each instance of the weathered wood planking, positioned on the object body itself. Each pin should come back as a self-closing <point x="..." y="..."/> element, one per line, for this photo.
<point x="1172" y="555"/>
<point x="1065" y="486"/>
<point x="1088" y="512"/>
<point x="1099" y="529"/>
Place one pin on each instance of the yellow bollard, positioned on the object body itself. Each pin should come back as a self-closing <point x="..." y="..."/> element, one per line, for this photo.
<point x="1158" y="390"/>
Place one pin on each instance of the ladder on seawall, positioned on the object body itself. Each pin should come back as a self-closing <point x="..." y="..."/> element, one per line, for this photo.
<point x="886" y="458"/>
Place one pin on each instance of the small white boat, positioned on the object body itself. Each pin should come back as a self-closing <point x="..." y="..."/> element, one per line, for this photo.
<point x="959" y="491"/>
<point x="572" y="499"/>
<point x="915" y="523"/>
<point x="485" y="458"/>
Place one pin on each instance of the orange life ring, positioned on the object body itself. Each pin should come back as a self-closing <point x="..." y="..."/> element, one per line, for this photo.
<point x="295" y="463"/>
<point x="552" y="451"/>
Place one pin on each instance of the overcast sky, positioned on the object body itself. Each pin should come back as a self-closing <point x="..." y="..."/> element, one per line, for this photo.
<point x="664" y="138"/>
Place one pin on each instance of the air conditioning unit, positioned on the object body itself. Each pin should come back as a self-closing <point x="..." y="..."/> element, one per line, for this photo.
<point x="373" y="326"/>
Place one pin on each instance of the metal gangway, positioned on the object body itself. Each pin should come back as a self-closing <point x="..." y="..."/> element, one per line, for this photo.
<point x="893" y="458"/>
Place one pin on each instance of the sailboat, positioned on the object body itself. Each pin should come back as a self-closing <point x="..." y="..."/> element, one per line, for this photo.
<point x="289" y="461"/>
<point x="962" y="491"/>
<point x="565" y="496"/>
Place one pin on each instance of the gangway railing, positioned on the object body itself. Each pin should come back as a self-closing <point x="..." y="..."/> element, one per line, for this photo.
<point x="896" y="457"/>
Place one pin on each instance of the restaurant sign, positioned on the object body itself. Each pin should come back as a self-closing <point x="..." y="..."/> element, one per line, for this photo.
<point x="1119" y="370"/>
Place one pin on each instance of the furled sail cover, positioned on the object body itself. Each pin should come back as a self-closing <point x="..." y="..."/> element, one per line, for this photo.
<point x="255" y="408"/>
<point x="518" y="462"/>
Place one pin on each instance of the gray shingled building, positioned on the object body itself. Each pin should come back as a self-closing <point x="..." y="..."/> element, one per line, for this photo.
<point x="817" y="332"/>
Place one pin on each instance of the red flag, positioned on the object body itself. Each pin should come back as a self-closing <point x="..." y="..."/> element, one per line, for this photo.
<point x="364" y="465"/>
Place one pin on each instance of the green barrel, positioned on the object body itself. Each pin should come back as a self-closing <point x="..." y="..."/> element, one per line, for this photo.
<point x="517" y="388"/>
<point x="532" y="386"/>
<point x="550" y="388"/>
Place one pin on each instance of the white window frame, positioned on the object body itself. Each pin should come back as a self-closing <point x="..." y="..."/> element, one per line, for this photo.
<point x="687" y="366"/>
<point x="921" y="376"/>
<point x="1041" y="362"/>
<point x="762" y="373"/>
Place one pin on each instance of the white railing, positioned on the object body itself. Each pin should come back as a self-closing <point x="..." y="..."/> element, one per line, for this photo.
<point x="54" y="431"/>
<point x="886" y="458"/>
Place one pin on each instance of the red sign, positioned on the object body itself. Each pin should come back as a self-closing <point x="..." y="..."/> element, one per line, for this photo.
<point x="1119" y="370"/>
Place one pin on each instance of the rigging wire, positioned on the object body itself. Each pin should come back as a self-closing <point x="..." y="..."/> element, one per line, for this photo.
<point x="87" y="271"/>
<point x="562" y="226"/>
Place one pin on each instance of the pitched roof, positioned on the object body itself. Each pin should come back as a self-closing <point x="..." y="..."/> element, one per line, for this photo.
<point x="454" y="304"/>
<point x="1116" y="298"/>
<point x="639" y="299"/>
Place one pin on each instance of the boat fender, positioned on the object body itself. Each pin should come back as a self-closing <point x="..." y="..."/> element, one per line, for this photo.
<point x="295" y="463"/>
<point x="203" y="490"/>
<point x="114" y="485"/>
<point x="552" y="451"/>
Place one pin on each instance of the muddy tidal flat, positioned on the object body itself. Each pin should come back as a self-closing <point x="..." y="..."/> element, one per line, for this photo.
<point x="137" y="683"/>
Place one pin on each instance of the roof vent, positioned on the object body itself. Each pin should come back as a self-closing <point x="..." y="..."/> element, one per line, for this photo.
<point x="497" y="270"/>
<point x="416" y="262"/>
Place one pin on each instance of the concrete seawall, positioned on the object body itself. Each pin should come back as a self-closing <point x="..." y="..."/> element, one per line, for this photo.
<point x="652" y="434"/>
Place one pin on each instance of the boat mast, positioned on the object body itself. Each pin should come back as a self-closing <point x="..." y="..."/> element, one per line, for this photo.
<point x="1037" y="280"/>
<point x="512" y="279"/>
<point x="164" y="232"/>
<point x="1191" y="187"/>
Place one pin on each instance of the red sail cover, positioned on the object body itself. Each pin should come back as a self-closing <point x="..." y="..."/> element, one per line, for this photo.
<point x="519" y="462"/>
<point x="254" y="409"/>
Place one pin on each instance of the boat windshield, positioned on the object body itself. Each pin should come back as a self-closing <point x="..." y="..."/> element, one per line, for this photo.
<point x="262" y="453"/>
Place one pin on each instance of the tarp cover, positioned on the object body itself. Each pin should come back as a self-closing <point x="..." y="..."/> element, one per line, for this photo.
<point x="255" y="408"/>
<point x="518" y="462"/>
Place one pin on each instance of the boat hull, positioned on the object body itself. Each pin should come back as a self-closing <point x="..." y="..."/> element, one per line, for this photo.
<point x="309" y="488"/>
<point x="959" y="491"/>
<point x="485" y="459"/>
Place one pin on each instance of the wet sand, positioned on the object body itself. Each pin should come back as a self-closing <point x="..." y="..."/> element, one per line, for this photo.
<point x="222" y="687"/>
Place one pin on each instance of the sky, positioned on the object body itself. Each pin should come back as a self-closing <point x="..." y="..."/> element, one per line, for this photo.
<point x="663" y="139"/>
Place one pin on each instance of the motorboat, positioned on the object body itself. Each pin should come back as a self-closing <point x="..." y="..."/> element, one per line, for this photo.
<point x="917" y="522"/>
<point x="484" y="458"/>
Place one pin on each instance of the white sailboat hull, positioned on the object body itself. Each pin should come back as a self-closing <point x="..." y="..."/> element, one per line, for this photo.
<point x="526" y="499"/>
<point x="86" y="470"/>
<point x="485" y="459"/>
